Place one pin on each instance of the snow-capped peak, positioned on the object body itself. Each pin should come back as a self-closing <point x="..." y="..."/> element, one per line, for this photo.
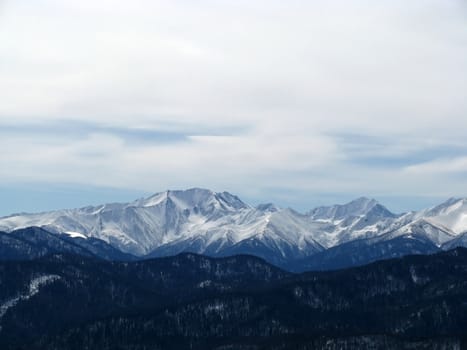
<point x="192" y="198"/>
<point x="451" y="214"/>
<point x="358" y="207"/>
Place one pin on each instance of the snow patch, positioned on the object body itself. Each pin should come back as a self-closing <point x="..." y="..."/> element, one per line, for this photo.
<point x="34" y="286"/>
<point x="75" y="234"/>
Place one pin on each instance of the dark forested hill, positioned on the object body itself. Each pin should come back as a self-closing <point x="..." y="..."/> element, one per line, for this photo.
<point x="34" y="242"/>
<point x="194" y="302"/>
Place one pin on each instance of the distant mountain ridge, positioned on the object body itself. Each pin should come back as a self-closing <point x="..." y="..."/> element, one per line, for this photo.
<point x="220" y="224"/>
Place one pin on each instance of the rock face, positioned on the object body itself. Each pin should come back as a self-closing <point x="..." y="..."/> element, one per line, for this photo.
<point x="242" y="302"/>
<point x="220" y="224"/>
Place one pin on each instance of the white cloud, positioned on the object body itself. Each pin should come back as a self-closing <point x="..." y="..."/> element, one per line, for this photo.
<point x="453" y="165"/>
<point x="280" y="79"/>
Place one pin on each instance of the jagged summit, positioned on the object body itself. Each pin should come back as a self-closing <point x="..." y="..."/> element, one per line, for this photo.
<point x="358" y="207"/>
<point x="192" y="198"/>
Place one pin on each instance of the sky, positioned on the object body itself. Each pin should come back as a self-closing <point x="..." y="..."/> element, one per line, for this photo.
<point x="300" y="103"/>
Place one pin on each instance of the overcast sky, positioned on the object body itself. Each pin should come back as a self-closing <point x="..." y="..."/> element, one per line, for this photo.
<point x="300" y="103"/>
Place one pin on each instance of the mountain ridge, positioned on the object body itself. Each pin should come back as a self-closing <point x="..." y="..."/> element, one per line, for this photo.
<point x="219" y="224"/>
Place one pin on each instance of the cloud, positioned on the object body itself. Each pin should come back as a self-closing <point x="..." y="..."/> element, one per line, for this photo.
<point x="103" y="156"/>
<point x="455" y="165"/>
<point x="258" y="97"/>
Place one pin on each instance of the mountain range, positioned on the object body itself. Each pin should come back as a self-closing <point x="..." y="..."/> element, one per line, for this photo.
<point x="220" y="224"/>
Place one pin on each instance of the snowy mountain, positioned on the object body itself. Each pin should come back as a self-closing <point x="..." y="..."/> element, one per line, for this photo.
<point x="277" y="236"/>
<point x="361" y="218"/>
<point x="220" y="224"/>
<point x="425" y="232"/>
<point x="440" y="224"/>
<point x="358" y="207"/>
<point x="197" y="220"/>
